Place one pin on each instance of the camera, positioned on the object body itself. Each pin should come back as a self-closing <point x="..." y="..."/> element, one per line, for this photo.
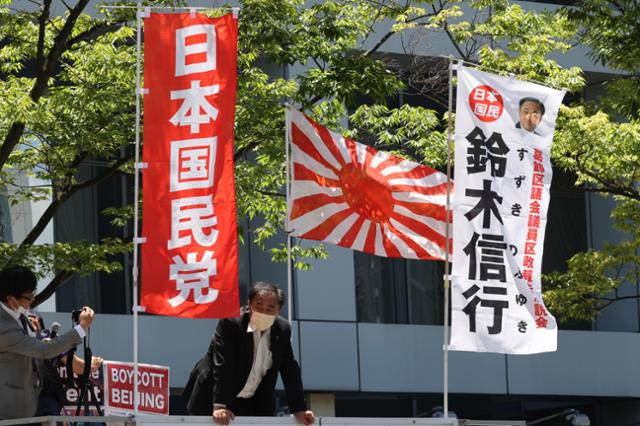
<point x="75" y="315"/>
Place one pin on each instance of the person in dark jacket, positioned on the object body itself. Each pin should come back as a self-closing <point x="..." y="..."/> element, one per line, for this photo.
<point x="237" y="376"/>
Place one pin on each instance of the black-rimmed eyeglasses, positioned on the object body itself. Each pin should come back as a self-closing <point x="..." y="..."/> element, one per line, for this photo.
<point x="29" y="298"/>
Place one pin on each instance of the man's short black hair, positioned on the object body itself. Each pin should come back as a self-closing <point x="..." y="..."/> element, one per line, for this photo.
<point x="532" y="100"/>
<point x="262" y="286"/>
<point x="16" y="280"/>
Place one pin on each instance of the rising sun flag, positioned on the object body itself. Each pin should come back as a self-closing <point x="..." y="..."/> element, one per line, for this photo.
<point x="347" y="193"/>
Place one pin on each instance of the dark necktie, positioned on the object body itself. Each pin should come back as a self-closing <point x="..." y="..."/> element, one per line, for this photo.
<point x="25" y="324"/>
<point x="25" y="329"/>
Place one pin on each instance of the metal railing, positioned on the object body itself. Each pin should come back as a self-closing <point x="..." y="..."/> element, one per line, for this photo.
<point x="142" y="420"/>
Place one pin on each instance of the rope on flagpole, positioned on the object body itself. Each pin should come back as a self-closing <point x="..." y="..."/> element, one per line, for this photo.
<point x="136" y="240"/>
<point x="447" y="244"/>
<point x="287" y="132"/>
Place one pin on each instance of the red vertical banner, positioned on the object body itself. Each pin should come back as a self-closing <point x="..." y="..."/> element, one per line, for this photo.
<point x="190" y="259"/>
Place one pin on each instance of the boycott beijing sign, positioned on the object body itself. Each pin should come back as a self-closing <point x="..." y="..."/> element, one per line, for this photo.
<point x="153" y="388"/>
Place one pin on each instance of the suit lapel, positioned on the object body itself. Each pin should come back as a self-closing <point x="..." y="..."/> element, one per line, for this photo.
<point x="276" y="336"/>
<point x="276" y="342"/>
<point x="247" y="338"/>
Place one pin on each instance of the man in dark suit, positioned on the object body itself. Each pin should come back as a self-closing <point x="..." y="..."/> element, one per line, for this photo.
<point x="243" y="361"/>
<point x="20" y="384"/>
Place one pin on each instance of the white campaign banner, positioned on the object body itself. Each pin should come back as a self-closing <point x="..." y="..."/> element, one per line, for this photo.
<point x="504" y="129"/>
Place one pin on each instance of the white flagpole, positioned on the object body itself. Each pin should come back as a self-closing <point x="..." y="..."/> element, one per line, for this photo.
<point x="287" y="144"/>
<point x="447" y="282"/>
<point x="135" y="212"/>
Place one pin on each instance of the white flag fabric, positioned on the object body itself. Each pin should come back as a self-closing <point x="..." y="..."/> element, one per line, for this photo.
<point x="503" y="135"/>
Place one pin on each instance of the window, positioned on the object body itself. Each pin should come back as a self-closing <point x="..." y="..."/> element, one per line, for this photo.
<point x="398" y="291"/>
<point x="80" y="218"/>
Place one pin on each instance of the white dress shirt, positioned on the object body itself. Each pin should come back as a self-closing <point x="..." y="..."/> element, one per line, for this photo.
<point x="262" y="361"/>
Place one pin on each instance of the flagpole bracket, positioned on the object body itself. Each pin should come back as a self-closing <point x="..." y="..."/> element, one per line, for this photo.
<point x="145" y="13"/>
<point x="141" y="165"/>
<point x="140" y="240"/>
<point x="141" y="91"/>
<point x="236" y="12"/>
<point x="138" y="308"/>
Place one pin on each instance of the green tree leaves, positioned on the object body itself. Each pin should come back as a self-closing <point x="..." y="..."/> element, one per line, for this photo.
<point x="68" y="98"/>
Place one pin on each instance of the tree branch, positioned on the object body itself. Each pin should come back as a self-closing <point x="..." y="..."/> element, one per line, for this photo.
<point x="607" y="187"/>
<point x="93" y="33"/>
<point x="110" y="171"/>
<point x="248" y="147"/>
<point x="389" y="34"/>
<point x="51" y="288"/>
<point x="48" y="214"/>
<point x="43" y="74"/>
<point x="613" y="191"/>
<point x="42" y="27"/>
<point x="59" y="46"/>
<point x="271" y="193"/>
<point x="617" y="6"/>
<point x="380" y="42"/>
<point x="454" y="42"/>
<point x="615" y="299"/>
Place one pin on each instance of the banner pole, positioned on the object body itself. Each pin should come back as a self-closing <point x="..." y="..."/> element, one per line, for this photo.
<point x="287" y="138"/>
<point x="447" y="282"/>
<point x="135" y="211"/>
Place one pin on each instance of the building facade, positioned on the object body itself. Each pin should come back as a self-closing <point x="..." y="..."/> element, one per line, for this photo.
<point x="368" y="331"/>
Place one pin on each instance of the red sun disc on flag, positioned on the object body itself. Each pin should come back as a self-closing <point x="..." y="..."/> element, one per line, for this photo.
<point x="365" y="194"/>
<point x="486" y="103"/>
<point x="352" y="195"/>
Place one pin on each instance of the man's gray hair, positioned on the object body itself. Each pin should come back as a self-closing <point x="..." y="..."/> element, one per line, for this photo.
<point x="263" y="286"/>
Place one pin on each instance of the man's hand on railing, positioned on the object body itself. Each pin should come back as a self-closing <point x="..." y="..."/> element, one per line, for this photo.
<point x="305" y="417"/>
<point x="223" y="416"/>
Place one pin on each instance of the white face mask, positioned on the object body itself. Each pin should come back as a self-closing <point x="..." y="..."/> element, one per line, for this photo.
<point x="261" y="322"/>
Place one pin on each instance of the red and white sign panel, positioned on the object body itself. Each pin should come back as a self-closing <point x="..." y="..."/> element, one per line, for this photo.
<point x="503" y="135"/>
<point x="153" y="388"/>
<point x="352" y="195"/>
<point x="190" y="258"/>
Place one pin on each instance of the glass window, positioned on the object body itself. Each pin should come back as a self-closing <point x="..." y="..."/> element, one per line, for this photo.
<point x="80" y="218"/>
<point x="398" y="291"/>
<point x="425" y="291"/>
<point x="378" y="289"/>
